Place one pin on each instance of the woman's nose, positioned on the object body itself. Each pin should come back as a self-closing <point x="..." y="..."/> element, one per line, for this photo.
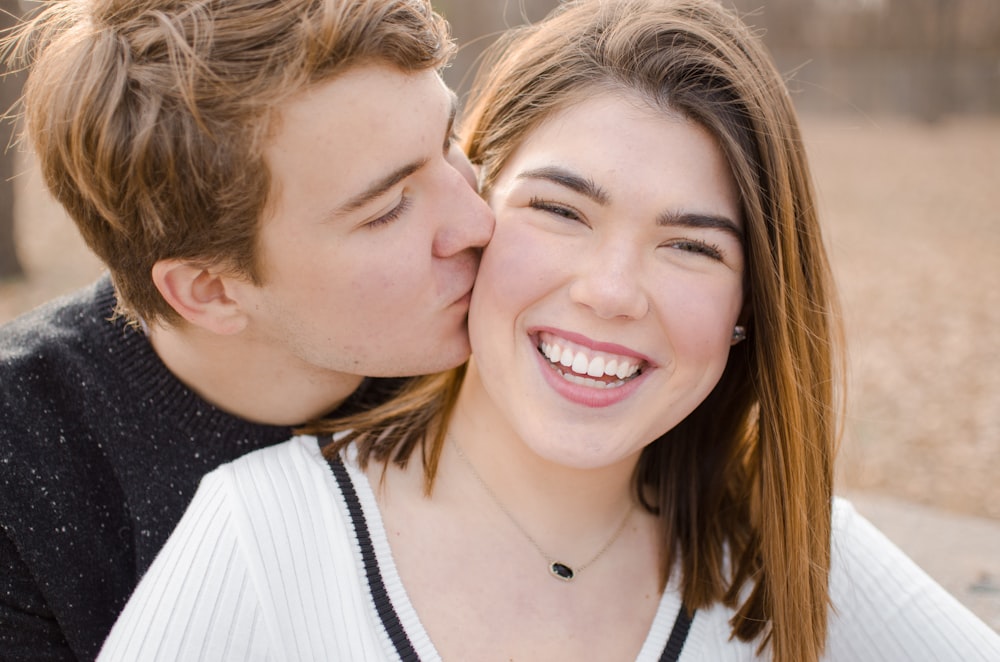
<point x="609" y="283"/>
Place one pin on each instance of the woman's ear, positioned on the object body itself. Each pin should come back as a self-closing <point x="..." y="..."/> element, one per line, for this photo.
<point x="742" y="327"/>
<point x="199" y="295"/>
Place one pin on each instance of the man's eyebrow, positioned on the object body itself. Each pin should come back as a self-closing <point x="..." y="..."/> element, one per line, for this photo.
<point x="379" y="187"/>
<point x="582" y="185"/>
<point x="699" y="220"/>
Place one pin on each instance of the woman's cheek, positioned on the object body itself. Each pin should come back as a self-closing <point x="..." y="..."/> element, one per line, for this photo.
<point x="522" y="262"/>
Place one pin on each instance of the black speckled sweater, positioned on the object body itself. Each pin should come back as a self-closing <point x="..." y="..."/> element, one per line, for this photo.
<point x="101" y="449"/>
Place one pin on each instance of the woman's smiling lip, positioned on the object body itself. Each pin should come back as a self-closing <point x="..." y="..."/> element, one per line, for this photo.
<point x="578" y="339"/>
<point x="584" y="390"/>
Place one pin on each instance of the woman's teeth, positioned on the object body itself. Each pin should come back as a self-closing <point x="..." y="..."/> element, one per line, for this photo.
<point x="589" y="368"/>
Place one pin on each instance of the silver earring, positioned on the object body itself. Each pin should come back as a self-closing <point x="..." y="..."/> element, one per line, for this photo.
<point x="739" y="334"/>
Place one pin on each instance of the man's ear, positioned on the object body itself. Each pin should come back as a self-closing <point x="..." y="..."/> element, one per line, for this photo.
<point x="199" y="295"/>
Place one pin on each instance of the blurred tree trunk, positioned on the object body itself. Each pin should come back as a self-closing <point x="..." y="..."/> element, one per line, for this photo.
<point x="939" y="95"/>
<point x="10" y="91"/>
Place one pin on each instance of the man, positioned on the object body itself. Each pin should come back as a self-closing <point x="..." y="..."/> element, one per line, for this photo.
<point x="275" y="192"/>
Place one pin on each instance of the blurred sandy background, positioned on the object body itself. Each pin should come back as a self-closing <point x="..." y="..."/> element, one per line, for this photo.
<point x="909" y="191"/>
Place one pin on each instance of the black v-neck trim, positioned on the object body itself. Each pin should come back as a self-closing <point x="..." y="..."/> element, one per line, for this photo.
<point x="383" y="605"/>
<point x="376" y="586"/>
<point x="678" y="635"/>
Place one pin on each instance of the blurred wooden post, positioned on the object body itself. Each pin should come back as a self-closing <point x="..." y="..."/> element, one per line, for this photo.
<point x="10" y="91"/>
<point x="940" y="96"/>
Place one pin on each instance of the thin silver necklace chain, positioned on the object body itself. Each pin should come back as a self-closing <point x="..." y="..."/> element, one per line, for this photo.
<point x="557" y="569"/>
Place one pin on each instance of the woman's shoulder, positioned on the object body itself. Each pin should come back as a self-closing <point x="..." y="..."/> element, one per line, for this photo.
<point x="284" y="494"/>
<point x="298" y="450"/>
<point x="863" y="559"/>
<point x="853" y="535"/>
<point x="884" y="606"/>
<point x="294" y="469"/>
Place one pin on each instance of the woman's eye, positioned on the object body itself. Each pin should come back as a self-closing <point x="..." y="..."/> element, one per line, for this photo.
<point x="391" y="215"/>
<point x="554" y="208"/>
<point x="697" y="247"/>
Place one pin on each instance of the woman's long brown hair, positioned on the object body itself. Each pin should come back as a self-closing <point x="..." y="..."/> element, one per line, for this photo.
<point x="743" y="486"/>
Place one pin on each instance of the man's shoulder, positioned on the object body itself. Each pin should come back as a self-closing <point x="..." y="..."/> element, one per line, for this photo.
<point x="47" y="354"/>
<point x="57" y="327"/>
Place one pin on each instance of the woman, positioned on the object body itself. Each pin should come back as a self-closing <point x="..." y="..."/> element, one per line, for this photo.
<point x="637" y="462"/>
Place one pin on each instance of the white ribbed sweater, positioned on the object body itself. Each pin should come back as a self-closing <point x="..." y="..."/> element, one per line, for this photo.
<point x="266" y="565"/>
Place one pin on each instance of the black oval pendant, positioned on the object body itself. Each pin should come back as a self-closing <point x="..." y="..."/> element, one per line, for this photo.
<point x="561" y="570"/>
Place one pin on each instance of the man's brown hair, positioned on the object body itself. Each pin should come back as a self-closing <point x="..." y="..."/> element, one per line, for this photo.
<point x="150" y="117"/>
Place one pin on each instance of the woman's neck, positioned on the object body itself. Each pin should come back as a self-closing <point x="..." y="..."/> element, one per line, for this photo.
<point x="558" y="553"/>
<point x="564" y="501"/>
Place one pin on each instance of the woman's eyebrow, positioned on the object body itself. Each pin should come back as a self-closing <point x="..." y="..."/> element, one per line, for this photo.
<point x="700" y="221"/>
<point x="587" y="187"/>
<point x="574" y="182"/>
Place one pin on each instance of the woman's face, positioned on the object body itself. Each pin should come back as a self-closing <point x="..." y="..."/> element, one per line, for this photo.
<point x="604" y="308"/>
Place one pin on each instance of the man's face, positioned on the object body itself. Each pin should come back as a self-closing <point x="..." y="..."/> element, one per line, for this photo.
<point x="370" y="245"/>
